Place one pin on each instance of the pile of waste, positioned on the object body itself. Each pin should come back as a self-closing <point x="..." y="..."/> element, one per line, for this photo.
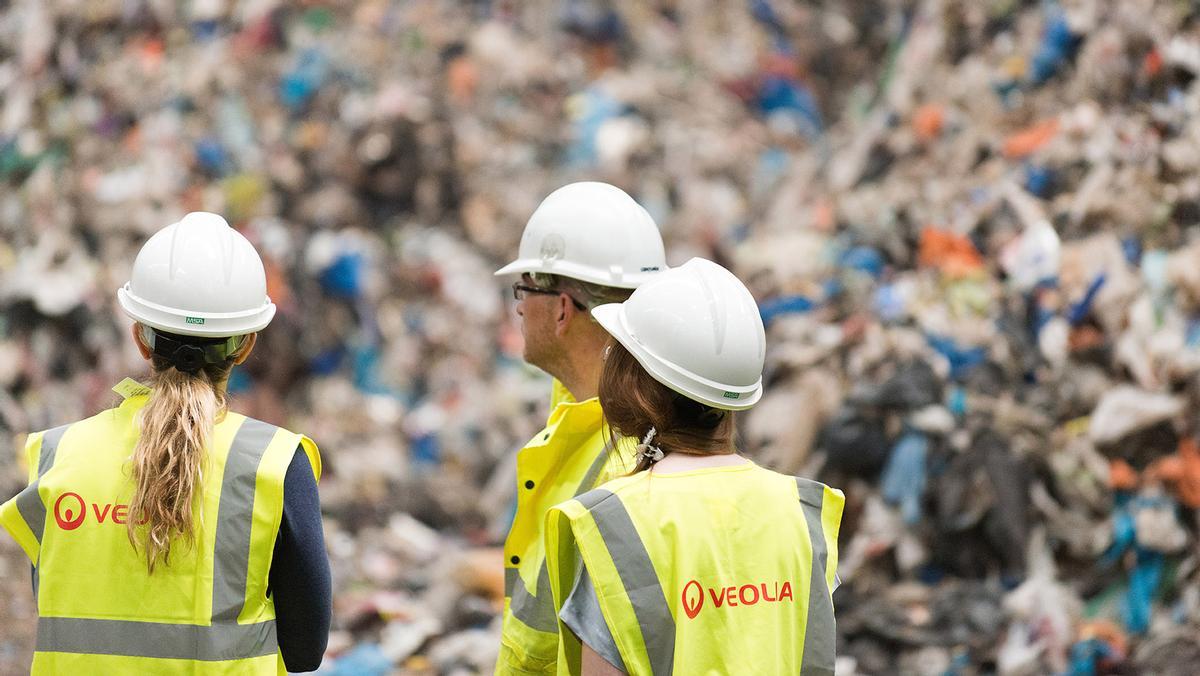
<point x="973" y="229"/>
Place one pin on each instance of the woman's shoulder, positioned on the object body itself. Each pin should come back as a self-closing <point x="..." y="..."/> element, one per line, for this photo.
<point x="621" y="486"/>
<point x="289" y="442"/>
<point x="238" y="419"/>
<point x="807" y="490"/>
<point x="609" y="490"/>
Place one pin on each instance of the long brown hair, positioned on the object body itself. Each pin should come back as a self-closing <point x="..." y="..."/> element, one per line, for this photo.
<point x="176" y="426"/>
<point x="633" y="402"/>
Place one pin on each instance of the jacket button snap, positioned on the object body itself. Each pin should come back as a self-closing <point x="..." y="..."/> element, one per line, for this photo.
<point x="515" y="560"/>
<point x="528" y="484"/>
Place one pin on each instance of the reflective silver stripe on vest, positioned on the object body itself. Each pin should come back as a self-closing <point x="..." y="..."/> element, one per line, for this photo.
<point x="819" y="634"/>
<point x="511" y="575"/>
<point x="29" y="503"/>
<point x="636" y="570"/>
<point x="155" y="639"/>
<point x="235" y="516"/>
<point x="536" y="610"/>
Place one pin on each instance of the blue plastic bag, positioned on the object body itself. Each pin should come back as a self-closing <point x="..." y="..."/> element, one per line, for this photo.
<point x="903" y="480"/>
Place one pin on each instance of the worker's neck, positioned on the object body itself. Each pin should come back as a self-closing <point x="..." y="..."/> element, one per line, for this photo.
<point x="580" y="361"/>
<point x="582" y="380"/>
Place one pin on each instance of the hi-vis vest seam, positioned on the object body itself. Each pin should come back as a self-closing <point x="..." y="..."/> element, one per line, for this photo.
<point x="224" y="639"/>
<point x="819" y="649"/>
<point x="638" y="577"/>
<point x="536" y="610"/>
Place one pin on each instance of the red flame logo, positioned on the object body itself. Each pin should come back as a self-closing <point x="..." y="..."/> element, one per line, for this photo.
<point x="68" y="519"/>
<point x="692" y="605"/>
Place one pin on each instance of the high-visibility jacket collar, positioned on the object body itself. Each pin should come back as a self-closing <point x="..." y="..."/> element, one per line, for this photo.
<point x="578" y="416"/>
<point x="568" y="457"/>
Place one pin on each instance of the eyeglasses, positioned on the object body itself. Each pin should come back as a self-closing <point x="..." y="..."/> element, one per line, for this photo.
<point x="521" y="290"/>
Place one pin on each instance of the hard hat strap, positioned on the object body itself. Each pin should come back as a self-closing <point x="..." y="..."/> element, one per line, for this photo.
<point x="189" y="354"/>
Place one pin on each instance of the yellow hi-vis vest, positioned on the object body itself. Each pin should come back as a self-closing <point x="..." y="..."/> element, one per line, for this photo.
<point x="99" y="611"/>
<point x="569" y="457"/>
<point x="724" y="570"/>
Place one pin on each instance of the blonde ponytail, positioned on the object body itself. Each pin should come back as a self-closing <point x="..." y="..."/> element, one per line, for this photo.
<point x="176" y="426"/>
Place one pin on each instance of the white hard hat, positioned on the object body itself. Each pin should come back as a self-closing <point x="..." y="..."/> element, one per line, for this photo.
<point x="198" y="277"/>
<point x="697" y="330"/>
<point x="592" y="232"/>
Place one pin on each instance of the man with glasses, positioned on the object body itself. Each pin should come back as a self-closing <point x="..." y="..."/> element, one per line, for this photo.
<point x="586" y="244"/>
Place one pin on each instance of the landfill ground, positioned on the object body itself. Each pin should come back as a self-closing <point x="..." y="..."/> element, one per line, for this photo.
<point x="18" y="615"/>
<point x="972" y="226"/>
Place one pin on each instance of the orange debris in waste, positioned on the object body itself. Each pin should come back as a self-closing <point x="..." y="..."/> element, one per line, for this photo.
<point x="1029" y="140"/>
<point x="951" y="253"/>
<point x="928" y="121"/>
<point x="1121" y="476"/>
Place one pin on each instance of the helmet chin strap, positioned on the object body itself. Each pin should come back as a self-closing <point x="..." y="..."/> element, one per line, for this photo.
<point x="189" y="354"/>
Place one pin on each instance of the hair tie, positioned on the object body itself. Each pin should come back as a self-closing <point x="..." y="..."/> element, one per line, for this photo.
<point x="650" y="453"/>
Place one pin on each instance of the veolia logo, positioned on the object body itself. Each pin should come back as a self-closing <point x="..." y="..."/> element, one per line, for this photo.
<point x="69" y="516"/>
<point x="693" y="599"/>
<point x="734" y="596"/>
<point x="70" y="511"/>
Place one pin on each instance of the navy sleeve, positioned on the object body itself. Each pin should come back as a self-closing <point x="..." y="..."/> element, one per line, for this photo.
<point x="299" y="576"/>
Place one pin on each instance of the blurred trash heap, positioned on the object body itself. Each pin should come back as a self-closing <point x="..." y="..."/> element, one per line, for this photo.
<point x="973" y="229"/>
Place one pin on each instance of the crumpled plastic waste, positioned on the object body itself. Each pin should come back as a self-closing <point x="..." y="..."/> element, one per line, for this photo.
<point x="1046" y="612"/>
<point x="952" y="253"/>
<point x="1144" y="525"/>
<point x="854" y="442"/>
<point x="1181" y="473"/>
<point x="903" y="479"/>
<point x="971" y="228"/>
<point x="775" y="307"/>
<point x="1102" y="646"/>
<point x="1059" y="43"/>
<point x="1125" y="410"/>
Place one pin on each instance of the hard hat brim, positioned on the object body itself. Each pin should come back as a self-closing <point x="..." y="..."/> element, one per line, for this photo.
<point x="690" y="385"/>
<point x="616" y="278"/>
<point x="516" y="267"/>
<point x="203" y="324"/>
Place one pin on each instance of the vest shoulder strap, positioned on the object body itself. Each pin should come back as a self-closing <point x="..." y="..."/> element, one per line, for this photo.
<point x="598" y="526"/>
